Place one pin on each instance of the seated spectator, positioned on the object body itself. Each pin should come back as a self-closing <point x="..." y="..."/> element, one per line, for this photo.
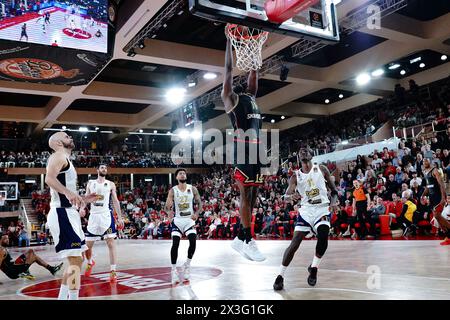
<point x="374" y="213"/>
<point x="406" y="218"/>
<point x="23" y="239"/>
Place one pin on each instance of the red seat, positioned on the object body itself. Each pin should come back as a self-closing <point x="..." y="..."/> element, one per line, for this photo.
<point x="423" y="223"/>
<point x="344" y="225"/>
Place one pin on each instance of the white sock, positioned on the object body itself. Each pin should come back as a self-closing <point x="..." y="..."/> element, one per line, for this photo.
<point x="73" y="294"/>
<point x="282" y="270"/>
<point x="90" y="260"/>
<point x="113" y="267"/>
<point x="316" y="262"/>
<point x="174" y="267"/>
<point x="63" y="292"/>
<point x="188" y="262"/>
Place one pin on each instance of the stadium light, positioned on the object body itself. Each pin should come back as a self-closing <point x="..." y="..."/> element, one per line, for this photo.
<point x="377" y="73"/>
<point x="341" y="96"/>
<point x="196" y="135"/>
<point x="327" y="101"/>
<point x="209" y="76"/>
<point x="83" y="129"/>
<point x="422" y="65"/>
<point x="363" y="79"/>
<point x="155" y="131"/>
<point x="444" y="57"/>
<point x="175" y="95"/>
<point x="140" y="130"/>
<point x="403" y="72"/>
<point x="283" y="117"/>
<point x="272" y="121"/>
<point x="394" y="66"/>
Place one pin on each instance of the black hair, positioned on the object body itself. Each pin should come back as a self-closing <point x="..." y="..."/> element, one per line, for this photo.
<point x="101" y="164"/>
<point x="179" y="170"/>
<point x="239" y="88"/>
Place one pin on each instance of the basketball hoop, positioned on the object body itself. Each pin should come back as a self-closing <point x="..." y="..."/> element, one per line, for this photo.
<point x="247" y="42"/>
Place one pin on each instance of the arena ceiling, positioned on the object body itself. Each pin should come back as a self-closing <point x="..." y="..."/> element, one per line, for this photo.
<point x="129" y="93"/>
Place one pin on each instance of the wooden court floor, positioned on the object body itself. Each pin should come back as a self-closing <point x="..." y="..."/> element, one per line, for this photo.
<point x="418" y="269"/>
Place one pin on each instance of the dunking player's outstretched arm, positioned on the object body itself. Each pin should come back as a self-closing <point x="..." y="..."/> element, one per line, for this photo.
<point x="198" y="202"/>
<point x="290" y="191"/>
<point x="229" y="98"/>
<point x="169" y="205"/>
<point x="331" y="185"/>
<point x="252" y="82"/>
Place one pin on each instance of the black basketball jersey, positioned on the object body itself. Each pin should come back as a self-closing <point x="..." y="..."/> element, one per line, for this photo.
<point x="246" y="115"/>
<point x="430" y="182"/>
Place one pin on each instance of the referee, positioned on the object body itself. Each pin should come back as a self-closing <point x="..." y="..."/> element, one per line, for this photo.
<point x="361" y="200"/>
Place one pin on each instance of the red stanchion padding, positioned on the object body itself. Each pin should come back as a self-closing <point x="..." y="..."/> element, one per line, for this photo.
<point x="278" y="11"/>
<point x="384" y="225"/>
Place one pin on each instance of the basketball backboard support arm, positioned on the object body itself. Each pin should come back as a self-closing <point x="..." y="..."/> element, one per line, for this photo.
<point x="317" y="22"/>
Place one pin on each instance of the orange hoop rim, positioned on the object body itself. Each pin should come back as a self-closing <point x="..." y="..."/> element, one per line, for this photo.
<point x="231" y="28"/>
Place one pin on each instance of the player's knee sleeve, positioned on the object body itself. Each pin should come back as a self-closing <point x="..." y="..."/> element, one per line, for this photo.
<point x="174" y="250"/>
<point x="192" y="243"/>
<point x="322" y="240"/>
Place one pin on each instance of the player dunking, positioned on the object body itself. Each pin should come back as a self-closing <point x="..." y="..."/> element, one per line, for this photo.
<point x="63" y="218"/>
<point x="183" y="196"/>
<point x="24" y="32"/>
<point x="101" y="223"/>
<point x="311" y="182"/>
<point x="435" y="189"/>
<point x="241" y="107"/>
<point x="47" y="18"/>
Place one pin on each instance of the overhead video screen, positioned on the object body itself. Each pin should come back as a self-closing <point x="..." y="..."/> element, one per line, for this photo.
<point x="76" y="24"/>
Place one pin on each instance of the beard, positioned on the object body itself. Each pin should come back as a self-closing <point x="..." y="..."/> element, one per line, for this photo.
<point x="69" y="146"/>
<point x="182" y="181"/>
<point x="102" y="174"/>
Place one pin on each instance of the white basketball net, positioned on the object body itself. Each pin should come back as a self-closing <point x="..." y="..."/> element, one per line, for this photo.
<point x="247" y="42"/>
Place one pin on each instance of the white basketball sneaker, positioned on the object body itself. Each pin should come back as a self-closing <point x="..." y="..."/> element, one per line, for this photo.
<point x="251" y="250"/>
<point x="238" y="245"/>
<point x="186" y="272"/>
<point x="175" y="277"/>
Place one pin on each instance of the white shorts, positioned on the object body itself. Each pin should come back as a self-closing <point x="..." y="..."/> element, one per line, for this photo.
<point x="182" y="226"/>
<point x="101" y="226"/>
<point x="66" y="230"/>
<point x="310" y="218"/>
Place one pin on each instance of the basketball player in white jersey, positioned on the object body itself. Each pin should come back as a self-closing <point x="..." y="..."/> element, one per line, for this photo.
<point x="63" y="218"/>
<point x="183" y="197"/>
<point x="101" y="223"/>
<point x="311" y="182"/>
